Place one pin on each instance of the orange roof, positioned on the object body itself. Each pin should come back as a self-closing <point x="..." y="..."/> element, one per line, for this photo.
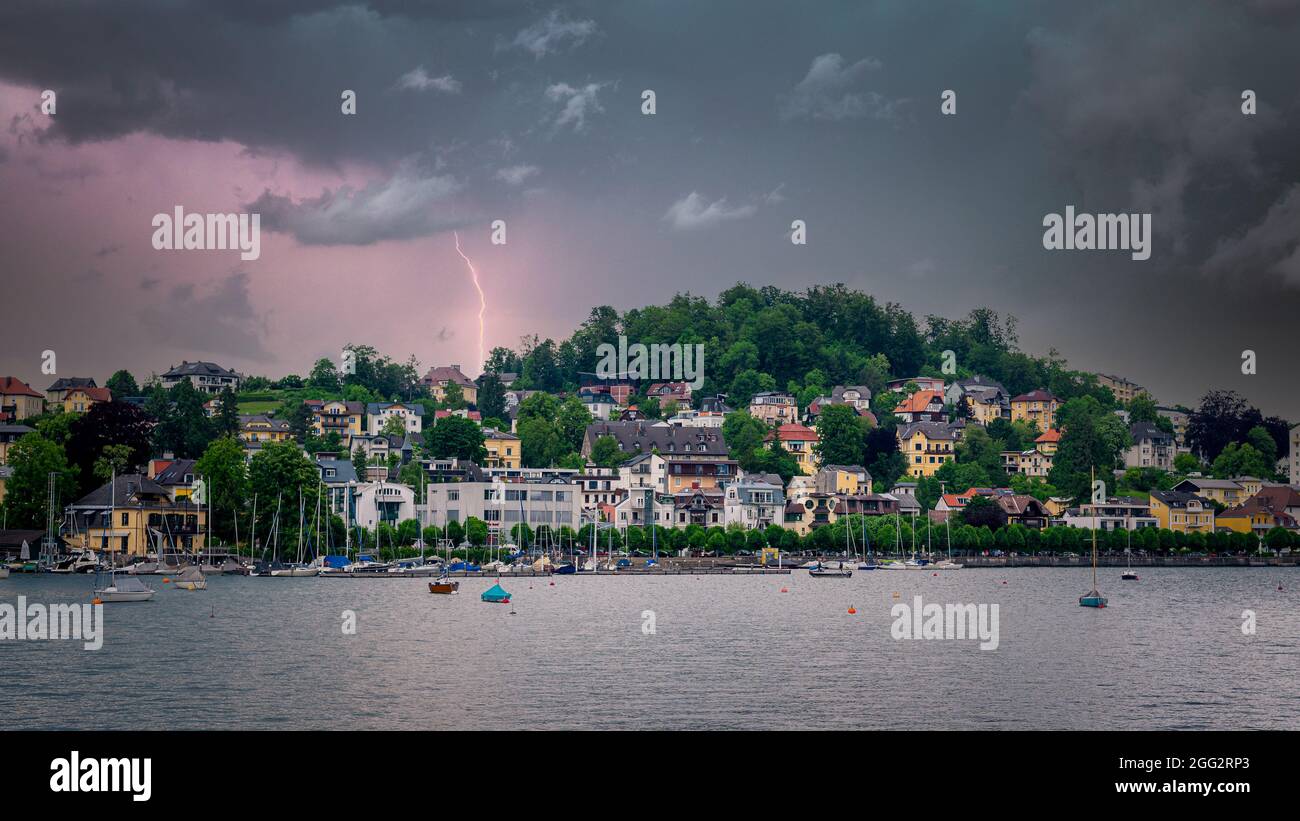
<point x="95" y="394"/>
<point x="13" y="386"/>
<point x="791" y="432"/>
<point x="918" y="402"/>
<point x="1051" y="435"/>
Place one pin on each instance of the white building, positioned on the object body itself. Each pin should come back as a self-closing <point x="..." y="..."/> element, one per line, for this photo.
<point x="378" y="413"/>
<point x="632" y="509"/>
<point x="390" y="502"/>
<point x="502" y="505"/>
<point x="1118" y="513"/>
<point x="753" y="504"/>
<point x="1295" y="455"/>
<point x="696" y="419"/>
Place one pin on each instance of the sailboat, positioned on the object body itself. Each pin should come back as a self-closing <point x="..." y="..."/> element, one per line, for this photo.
<point x="298" y="569"/>
<point x="842" y="571"/>
<point x="1093" y="598"/>
<point x="445" y="585"/>
<point x="869" y="561"/>
<point x="191" y="578"/>
<point x="495" y="594"/>
<point x="119" y="586"/>
<point x="947" y="564"/>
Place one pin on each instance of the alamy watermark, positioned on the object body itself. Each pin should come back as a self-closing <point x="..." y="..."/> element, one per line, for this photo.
<point x="52" y="622"/>
<point x="675" y="362"/>
<point x="208" y="232"/>
<point x="946" y="621"/>
<point x="1099" y="232"/>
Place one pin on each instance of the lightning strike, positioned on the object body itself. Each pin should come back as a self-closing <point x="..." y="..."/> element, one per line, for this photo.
<point x="482" y="300"/>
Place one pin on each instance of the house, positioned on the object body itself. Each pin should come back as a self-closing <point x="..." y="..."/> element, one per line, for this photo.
<point x="463" y="413"/>
<point x="378" y="414"/>
<point x="773" y="407"/>
<point x="1023" y="509"/>
<point x="337" y="475"/>
<point x="1038" y="460"/>
<point x="438" y="378"/>
<point x="8" y="435"/>
<point x="801" y="441"/>
<point x="697" y="419"/>
<point x="641" y="506"/>
<point x="927" y="446"/>
<point x="859" y="396"/>
<point x="923" y="383"/>
<point x="18" y="401"/>
<point x="644" y="470"/>
<point x="1179" y="419"/>
<point x="922" y="406"/>
<point x="816" y="406"/>
<point x="177" y="476"/>
<point x="685" y="474"/>
<point x="381" y="501"/>
<point x="754" y="503"/>
<point x="643" y="437"/>
<point x="56" y="393"/>
<point x="1226" y="492"/>
<point x="1180" y="511"/>
<point x="620" y="392"/>
<point x="1273" y="506"/>
<point x="598" y="486"/>
<point x="259" y="429"/>
<point x="848" y="479"/>
<point x="905" y="493"/>
<point x="135" y="516"/>
<point x="980" y="398"/>
<point x="676" y="394"/>
<point x="600" y="404"/>
<point x="347" y="419"/>
<point x="1037" y="406"/>
<point x="699" y="506"/>
<point x="206" y="377"/>
<point x="80" y="400"/>
<point x="806" y="509"/>
<point x="1116" y="513"/>
<point x="1152" y="447"/>
<point x="504" y="449"/>
<point x="1124" y="390"/>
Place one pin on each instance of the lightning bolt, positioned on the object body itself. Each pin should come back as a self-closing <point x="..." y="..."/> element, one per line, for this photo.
<point x="482" y="300"/>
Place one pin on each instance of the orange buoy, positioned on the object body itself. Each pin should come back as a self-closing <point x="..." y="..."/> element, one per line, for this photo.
<point x="934" y="574"/>
<point x="853" y="611"/>
<point x="785" y="590"/>
<point x="895" y="594"/>
<point x="97" y="600"/>
<point x="167" y="581"/>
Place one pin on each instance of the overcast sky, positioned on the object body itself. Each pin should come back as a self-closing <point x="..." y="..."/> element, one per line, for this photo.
<point x="767" y="112"/>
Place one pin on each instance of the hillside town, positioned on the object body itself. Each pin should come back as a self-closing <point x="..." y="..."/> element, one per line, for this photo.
<point x="392" y="458"/>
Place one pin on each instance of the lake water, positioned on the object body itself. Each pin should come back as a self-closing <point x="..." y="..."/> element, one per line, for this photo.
<point x="727" y="652"/>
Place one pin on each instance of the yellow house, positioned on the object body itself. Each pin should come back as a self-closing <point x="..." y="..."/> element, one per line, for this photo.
<point x="686" y="473"/>
<point x="134" y="516"/>
<point x="347" y="419"/>
<point x="1183" y="512"/>
<point x="261" y="430"/>
<point x="80" y="400"/>
<point x="927" y="446"/>
<point x="801" y="441"/>
<point x="438" y="378"/>
<point x="1037" y="406"/>
<point x="1224" y="491"/>
<point x="18" y="401"/>
<point x="843" y="479"/>
<point x="503" y="449"/>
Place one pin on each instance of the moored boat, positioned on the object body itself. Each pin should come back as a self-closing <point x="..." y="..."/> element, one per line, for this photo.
<point x="444" y="586"/>
<point x="495" y="594"/>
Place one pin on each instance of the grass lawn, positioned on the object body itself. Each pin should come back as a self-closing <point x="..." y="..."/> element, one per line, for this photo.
<point x="257" y="408"/>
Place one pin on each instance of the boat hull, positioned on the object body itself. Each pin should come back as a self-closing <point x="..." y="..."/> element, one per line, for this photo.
<point x="1092" y="601"/>
<point x="191" y="585"/>
<point x="1129" y="577"/>
<point x="444" y="587"/>
<point x="107" y="596"/>
<point x="829" y="574"/>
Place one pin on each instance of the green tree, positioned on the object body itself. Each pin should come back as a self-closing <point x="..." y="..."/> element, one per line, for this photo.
<point x="455" y="437"/>
<point x="114" y="461"/>
<point x="744" y="436"/>
<point x="539" y="442"/>
<point x="841" y="436"/>
<point x="324" y="376"/>
<point x="300" y="422"/>
<point x="281" y="472"/>
<point x="476" y="530"/>
<point x="122" y="384"/>
<point x="225" y="475"/>
<point x="106" y="424"/>
<point x="605" y="452"/>
<point x="394" y="426"/>
<point x="227" y="420"/>
<point x="491" y="397"/>
<point x="33" y="458"/>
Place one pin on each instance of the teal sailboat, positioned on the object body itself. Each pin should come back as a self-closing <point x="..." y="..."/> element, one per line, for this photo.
<point x="496" y="594"/>
<point x="1093" y="598"/>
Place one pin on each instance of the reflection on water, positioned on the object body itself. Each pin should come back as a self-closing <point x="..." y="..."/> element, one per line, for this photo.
<point x="733" y="652"/>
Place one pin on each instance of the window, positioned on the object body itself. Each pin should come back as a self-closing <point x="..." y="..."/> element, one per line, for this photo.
<point x="124" y="519"/>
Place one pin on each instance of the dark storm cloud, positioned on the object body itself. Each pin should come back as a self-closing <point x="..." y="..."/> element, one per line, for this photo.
<point x="217" y="318"/>
<point x="767" y="112"/>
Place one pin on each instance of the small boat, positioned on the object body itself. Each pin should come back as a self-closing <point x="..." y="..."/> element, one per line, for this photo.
<point x="4" y="571"/>
<point x="495" y="594"/>
<point x="1093" y="598"/>
<point x="566" y="569"/>
<point x="445" y="585"/>
<point x="1129" y="576"/>
<point x="295" y="571"/>
<point x="124" y="587"/>
<point x="191" y="578"/>
<point x="820" y="572"/>
<point x="946" y="565"/>
<point x="465" y="567"/>
<point x="83" y="561"/>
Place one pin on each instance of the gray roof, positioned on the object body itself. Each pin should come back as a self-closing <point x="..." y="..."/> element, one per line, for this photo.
<point x="344" y="471"/>
<point x="174" y="474"/>
<point x="67" y="383"/>
<point x="127" y="487"/>
<point x="199" y="369"/>
<point x="1146" y="430"/>
<point x="634" y="437"/>
<point x="932" y="430"/>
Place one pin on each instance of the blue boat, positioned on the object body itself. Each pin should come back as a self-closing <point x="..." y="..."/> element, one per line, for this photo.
<point x="564" y="569"/>
<point x="458" y="566"/>
<point x="1092" y="599"/>
<point x="496" y="594"/>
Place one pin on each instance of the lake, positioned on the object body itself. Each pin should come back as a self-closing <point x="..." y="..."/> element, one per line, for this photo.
<point x="726" y="653"/>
